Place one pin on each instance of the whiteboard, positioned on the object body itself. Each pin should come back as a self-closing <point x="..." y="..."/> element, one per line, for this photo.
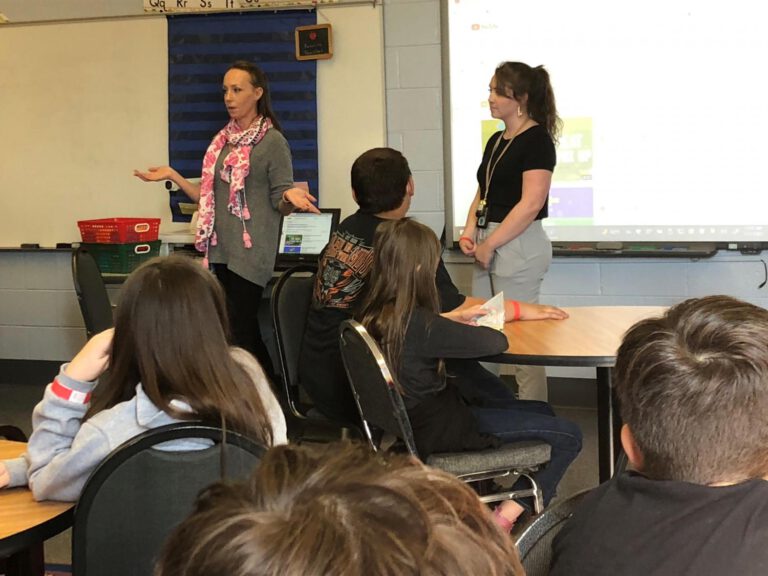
<point x="83" y="104"/>
<point x="664" y="109"/>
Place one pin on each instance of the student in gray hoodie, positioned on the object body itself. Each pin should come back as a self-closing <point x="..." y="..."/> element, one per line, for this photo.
<point x="169" y="360"/>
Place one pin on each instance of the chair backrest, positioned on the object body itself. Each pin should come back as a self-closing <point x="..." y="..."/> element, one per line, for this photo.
<point x="138" y="494"/>
<point x="13" y="433"/>
<point x="91" y="292"/>
<point x="373" y="386"/>
<point x="535" y="542"/>
<point x="291" y="299"/>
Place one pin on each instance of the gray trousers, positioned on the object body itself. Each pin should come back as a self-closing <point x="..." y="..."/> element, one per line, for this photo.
<point x="518" y="270"/>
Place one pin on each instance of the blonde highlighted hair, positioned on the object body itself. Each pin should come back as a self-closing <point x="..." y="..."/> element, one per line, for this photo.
<point x="340" y="510"/>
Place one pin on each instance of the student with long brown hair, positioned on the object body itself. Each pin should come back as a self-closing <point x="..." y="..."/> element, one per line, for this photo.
<point x="169" y="359"/>
<point x="339" y="510"/>
<point x="401" y="312"/>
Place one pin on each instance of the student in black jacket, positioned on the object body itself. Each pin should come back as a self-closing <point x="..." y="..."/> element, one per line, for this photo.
<point x="401" y="311"/>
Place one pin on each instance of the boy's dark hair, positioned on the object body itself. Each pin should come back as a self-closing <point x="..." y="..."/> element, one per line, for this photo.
<point x="693" y="388"/>
<point x="379" y="179"/>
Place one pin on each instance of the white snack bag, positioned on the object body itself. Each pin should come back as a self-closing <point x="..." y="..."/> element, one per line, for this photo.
<point x="495" y="317"/>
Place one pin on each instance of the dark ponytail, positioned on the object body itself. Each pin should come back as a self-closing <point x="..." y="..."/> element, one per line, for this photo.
<point x="259" y="80"/>
<point x="541" y="102"/>
<point x="519" y="79"/>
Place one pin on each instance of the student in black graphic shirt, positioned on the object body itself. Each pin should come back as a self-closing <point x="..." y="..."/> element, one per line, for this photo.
<point x="693" y="389"/>
<point x="382" y="187"/>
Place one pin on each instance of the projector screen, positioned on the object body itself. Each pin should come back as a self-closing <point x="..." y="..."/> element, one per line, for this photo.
<point x="665" y="110"/>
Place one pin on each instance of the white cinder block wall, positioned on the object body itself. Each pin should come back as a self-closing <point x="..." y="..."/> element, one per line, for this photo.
<point x="414" y="124"/>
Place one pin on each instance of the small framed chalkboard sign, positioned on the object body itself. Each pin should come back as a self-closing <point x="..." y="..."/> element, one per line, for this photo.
<point x="314" y="42"/>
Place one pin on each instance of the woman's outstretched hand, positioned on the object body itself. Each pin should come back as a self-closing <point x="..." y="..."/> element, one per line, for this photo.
<point x="155" y="174"/>
<point x="301" y="200"/>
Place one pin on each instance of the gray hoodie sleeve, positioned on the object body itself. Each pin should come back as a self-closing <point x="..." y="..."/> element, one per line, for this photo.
<point x="271" y="405"/>
<point x="62" y="451"/>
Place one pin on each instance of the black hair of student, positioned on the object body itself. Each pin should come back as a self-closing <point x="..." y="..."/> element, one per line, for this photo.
<point x="518" y="79"/>
<point x="693" y="389"/>
<point x="259" y="80"/>
<point x="379" y="179"/>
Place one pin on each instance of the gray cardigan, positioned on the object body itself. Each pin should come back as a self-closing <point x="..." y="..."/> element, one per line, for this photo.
<point x="270" y="174"/>
<point x="63" y="450"/>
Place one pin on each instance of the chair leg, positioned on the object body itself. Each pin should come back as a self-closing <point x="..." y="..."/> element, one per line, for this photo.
<point x="533" y="492"/>
<point x="538" y="498"/>
<point x="28" y="562"/>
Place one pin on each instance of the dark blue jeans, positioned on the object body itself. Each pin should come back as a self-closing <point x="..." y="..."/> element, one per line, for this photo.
<point x="498" y="412"/>
<point x="514" y="420"/>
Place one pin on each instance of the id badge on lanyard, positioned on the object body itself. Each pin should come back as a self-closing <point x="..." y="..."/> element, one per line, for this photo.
<point x="482" y="206"/>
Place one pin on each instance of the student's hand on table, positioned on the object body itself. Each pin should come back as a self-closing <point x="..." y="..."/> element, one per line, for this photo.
<point x="155" y="174"/>
<point x="541" y="312"/>
<point x="5" y="478"/>
<point x="466" y="315"/>
<point x="93" y="359"/>
<point x="301" y="200"/>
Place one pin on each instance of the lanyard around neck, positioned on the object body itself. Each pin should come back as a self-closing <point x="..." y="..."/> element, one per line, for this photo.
<point x="490" y="168"/>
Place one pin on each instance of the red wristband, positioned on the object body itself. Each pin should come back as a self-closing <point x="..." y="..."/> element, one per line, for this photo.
<point x="66" y="393"/>
<point x="466" y="238"/>
<point x="516" y="305"/>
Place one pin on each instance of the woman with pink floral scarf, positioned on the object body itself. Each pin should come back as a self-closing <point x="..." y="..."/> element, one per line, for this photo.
<point x="247" y="182"/>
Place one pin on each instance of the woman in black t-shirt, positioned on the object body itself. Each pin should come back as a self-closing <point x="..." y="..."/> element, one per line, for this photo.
<point x="503" y="230"/>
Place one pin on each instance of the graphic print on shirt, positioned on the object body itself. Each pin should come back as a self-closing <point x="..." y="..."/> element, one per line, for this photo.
<point x="344" y="269"/>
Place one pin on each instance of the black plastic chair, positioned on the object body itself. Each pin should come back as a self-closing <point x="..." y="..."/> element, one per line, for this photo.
<point x="91" y="292"/>
<point x="535" y="542"/>
<point x="291" y="299"/>
<point x="382" y="409"/>
<point x="133" y="500"/>
<point x="12" y="433"/>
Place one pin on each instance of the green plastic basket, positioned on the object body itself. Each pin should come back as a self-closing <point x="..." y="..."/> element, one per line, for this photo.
<point x="122" y="258"/>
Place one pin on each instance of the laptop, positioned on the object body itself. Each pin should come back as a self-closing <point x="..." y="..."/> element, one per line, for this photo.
<point x="303" y="235"/>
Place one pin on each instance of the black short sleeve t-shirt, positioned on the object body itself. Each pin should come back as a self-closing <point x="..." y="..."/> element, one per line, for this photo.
<point x="634" y="526"/>
<point x="342" y="274"/>
<point x="532" y="149"/>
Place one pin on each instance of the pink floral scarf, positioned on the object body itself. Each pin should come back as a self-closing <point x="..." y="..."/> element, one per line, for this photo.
<point x="235" y="170"/>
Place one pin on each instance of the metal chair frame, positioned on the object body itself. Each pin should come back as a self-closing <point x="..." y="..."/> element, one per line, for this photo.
<point x="352" y="328"/>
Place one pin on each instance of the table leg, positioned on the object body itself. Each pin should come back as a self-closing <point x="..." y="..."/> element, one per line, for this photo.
<point x="27" y="562"/>
<point x="607" y="447"/>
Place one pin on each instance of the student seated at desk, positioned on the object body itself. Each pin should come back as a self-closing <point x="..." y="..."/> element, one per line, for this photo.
<point x="401" y="311"/>
<point x="341" y="510"/>
<point x="169" y="360"/>
<point x="382" y="187"/>
<point x="693" y="392"/>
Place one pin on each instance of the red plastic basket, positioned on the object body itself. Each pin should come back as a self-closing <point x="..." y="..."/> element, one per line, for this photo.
<point x="119" y="230"/>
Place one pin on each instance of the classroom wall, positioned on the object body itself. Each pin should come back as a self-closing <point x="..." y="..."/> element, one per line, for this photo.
<point x="39" y="318"/>
<point x="84" y="103"/>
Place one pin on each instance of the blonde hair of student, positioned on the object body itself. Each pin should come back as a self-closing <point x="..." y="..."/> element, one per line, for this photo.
<point x="340" y="510"/>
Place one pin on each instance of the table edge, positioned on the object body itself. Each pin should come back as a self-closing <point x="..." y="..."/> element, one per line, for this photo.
<point x="38" y="533"/>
